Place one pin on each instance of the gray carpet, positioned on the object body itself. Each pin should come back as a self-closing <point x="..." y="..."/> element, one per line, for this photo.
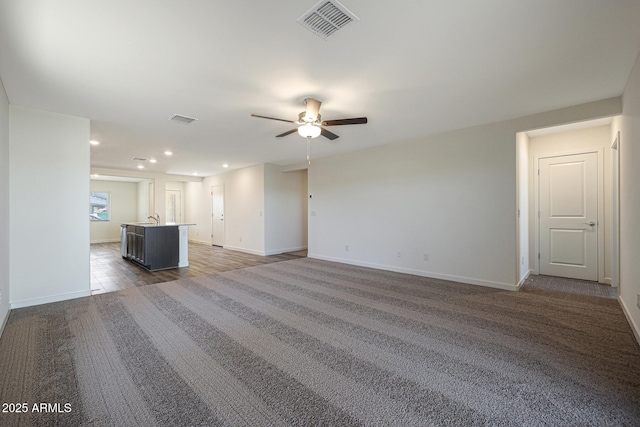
<point x="570" y="286"/>
<point x="308" y="342"/>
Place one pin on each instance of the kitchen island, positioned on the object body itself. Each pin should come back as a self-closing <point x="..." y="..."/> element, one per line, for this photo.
<point x="155" y="246"/>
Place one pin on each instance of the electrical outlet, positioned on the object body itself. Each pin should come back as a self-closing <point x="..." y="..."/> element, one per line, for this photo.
<point x="398" y="254"/>
<point x="638" y="302"/>
<point x="425" y="257"/>
<point x="346" y="248"/>
<point x="241" y="239"/>
<point x="522" y="260"/>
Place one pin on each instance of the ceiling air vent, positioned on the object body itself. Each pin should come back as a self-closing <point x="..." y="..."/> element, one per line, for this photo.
<point x="139" y="159"/>
<point x="182" y="119"/>
<point x="327" y="18"/>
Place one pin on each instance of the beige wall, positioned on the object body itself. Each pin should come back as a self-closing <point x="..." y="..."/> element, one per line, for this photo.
<point x="522" y="194"/>
<point x="629" y="127"/>
<point x="453" y="197"/>
<point x="123" y="206"/>
<point x="285" y="202"/>
<point x="49" y="190"/>
<point x="264" y="209"/>
<point x="5" y="229"/>
<point x="243" y="208"/>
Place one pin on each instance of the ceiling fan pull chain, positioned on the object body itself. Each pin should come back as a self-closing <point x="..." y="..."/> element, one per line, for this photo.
<point x="309" y="150"/>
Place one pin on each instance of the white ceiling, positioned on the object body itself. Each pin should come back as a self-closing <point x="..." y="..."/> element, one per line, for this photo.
<point x="413" y="68"/>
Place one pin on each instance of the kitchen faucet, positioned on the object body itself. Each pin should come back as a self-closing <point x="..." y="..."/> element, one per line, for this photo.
<point x="156" y="218"/>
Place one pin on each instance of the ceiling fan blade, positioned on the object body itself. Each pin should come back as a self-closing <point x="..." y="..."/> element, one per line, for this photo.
<point x="272" y="118"/>
<point x="313" y="108"/>
<point x="289" y="132"/>
<point x="356" y="121"/>
<point x="327" y="134"/>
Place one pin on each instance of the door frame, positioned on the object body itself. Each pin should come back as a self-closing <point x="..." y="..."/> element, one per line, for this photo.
<point x="224" y="207"/>
<point x="601" y="219"/>
<point x="615" y="211"/>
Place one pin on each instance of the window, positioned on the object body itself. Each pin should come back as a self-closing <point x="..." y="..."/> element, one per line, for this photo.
<point x="99" y="206"/>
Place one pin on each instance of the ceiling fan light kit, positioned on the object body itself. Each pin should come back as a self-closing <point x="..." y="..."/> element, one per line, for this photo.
<point x="311" y="123"/>
<point x="309" y="130"/>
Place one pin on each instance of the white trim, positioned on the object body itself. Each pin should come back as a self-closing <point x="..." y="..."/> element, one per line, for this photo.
<point x="601" y="217"/>
<point x="615" y="211"/>
<point x="466" y="280"/>
<point x="51" y="298"/>
<point x="200" y="242"/>
<point x="634" y="327"/>
<point x="284" y="251"/>
<point x="104" y="241"/>
<point x="4" y="322"/>
<point x="248" y="251"/>
<point x="183" y="246"/>
<point x="524" y="278"/>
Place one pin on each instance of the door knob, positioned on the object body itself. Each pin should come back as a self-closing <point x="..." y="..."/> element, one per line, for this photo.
<point x="591" y="223"/>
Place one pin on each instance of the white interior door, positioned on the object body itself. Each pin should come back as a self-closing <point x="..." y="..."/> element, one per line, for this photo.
<point x="173" y="207"/>
<point x="217" y="215"/>
<point x="568" y="203"/>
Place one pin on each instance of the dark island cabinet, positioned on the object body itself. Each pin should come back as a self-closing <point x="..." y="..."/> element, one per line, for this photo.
<point x="154" y="248"/>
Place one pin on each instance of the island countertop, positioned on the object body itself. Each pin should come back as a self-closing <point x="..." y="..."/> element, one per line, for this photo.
<point x="153" y="224"/>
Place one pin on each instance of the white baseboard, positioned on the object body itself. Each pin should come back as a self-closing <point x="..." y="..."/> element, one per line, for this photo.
<point x="634" y="327"/>
<point x="245" y="250"/>
<point x="200" y="242"/>
<point x="524" y="278"/>
<point x="49" y="299"/>
<point x="4" y="321"/>
<point x="105" y="241"/>
<point x="252" y="252"/>
<point x="467" y="280"/>
<point x="286" y="250"/>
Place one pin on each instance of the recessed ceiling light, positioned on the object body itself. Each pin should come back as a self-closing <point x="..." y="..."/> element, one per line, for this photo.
<point x="225" y="165"/>
<point x="94" y="142"/>
<point x="140" y="167"/>
<point x="152" y="160"/>
<point x="168" y="153"/>
<point x="195" y="173"/>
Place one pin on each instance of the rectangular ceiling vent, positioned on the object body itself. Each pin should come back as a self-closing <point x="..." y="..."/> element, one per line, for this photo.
<point x="139" y="159"/>
<point x="182" y="119"/>
<point x="327" y="18"/>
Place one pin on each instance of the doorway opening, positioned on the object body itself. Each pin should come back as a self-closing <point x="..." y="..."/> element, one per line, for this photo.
<point x="567" y="202"/>
<point x="569" y="215"/>
<point x="173" y="207"/>
<point x="217" y="215"/>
